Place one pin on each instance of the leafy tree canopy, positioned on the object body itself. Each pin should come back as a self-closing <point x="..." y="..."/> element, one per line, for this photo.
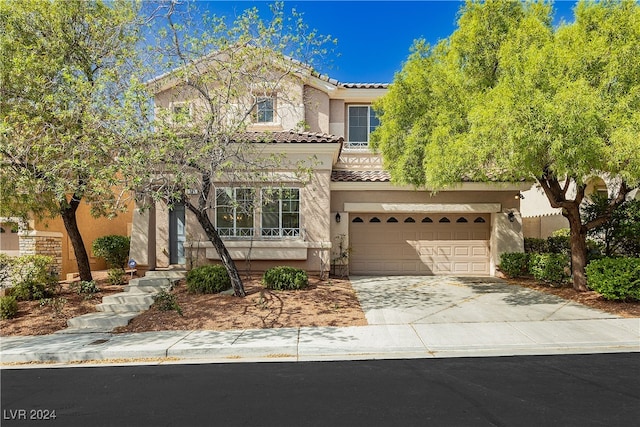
<point x="508" y="96"/>
<point x="66" y="89"/>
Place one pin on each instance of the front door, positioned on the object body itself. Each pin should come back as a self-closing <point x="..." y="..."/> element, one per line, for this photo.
<point x="177" y="235"/>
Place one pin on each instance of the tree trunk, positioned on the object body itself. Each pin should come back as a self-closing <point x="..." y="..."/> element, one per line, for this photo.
<point x="218" y="244"/>
<point x="578" y="240"/>
<point x="68" y="212"/>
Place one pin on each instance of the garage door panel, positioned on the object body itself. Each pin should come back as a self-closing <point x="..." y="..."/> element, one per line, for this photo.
<point x="419" y="248"/>
<point x="461" y="251"/>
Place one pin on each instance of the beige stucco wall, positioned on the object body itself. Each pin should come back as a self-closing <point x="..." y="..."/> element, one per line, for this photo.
<point x="9" y="240"/>
<point x="290" y="105"/>
<point x="337" y="117"/>
<point x="316" y="113"/>
<point x="339" y="198"/>
<point x="506" y="236"/>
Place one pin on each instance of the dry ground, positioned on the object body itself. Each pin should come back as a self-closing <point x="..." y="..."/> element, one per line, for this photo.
<point x="331" y="302"/>
<point x="324" y="303"/>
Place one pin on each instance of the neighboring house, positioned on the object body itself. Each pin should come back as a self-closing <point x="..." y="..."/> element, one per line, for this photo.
<point x="349" y="203"/>
<point x="540" y="220"/>
<point x="49" y="237"/>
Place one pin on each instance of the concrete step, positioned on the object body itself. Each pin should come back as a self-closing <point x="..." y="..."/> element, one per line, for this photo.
<point x="167" y="274"/>
<point x="152" y="281"/>
<point x="129" y="298"/>
<point x="97" y="321"/>
<point x="144" y="288"/>
<point x="122" y="308"/>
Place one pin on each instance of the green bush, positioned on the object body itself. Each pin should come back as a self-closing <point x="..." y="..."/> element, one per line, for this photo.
<point x="533" y="245"/>
<point x="285" y="278"/>
<point x="514" y="264"/>
<point x="33" y="277"/>
<point x="549" y="267"/>
<point x="615" y="278"/>
<point x="115" y="276"/>
<point x="5" y="268"/>
<point x="166" y="301"/>
<point x="559" y="242"/>
<point x="85" y="288"/>
<point x="8" y="307"/>
<point x="113" y="248"/>
<point x="208" y="279"/>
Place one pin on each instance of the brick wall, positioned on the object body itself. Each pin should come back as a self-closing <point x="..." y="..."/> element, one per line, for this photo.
<point x="43" y="243"/>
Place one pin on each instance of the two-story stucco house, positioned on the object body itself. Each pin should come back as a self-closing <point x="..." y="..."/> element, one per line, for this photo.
<point x="348" y="213"/>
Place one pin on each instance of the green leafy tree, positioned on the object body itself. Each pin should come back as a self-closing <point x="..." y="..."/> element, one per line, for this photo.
<point x="66" y="90"/>
<point x="224" y="70"/>
<point x="621" y="234"/>
<point x="507" y="96"/>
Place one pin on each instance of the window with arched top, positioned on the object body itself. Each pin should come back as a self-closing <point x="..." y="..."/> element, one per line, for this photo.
<point x="392" y="219"/>
<point x="462" y="219"/>
<point x="427" y="219"/>
<point x="444" y="219"/>
<point x="357" y="219"/>
<point x="409" y="220"/>
<point x="374" y="219"/>
<point x="479" y="220"/>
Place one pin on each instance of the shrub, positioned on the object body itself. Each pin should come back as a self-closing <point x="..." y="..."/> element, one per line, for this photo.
<point x="559" y="242"/>
<point x="615" y="278"/>
<point x="85" y="288"/>
<point x="113" y="248"/>
<point x="115" y="276"/>
<point x="208" y="279"/>
<point x="166" y="301"/>
<point x="56" y="304"/>
<point x="533" y="245"/>
<point x="5" y="268"/>
<point x="33" y="277"/>
<point x="285" y="278"/>
<point x="514" y="264"/>
<point x="8" y="307"/>
<point x="549" y="267"/>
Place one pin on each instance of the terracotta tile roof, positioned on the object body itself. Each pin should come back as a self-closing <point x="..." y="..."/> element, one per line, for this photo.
<point x="351" y="85"/>
<point x="360" y="176"/>
<point x="289" y="137"/>
<point x="365" y="85"/>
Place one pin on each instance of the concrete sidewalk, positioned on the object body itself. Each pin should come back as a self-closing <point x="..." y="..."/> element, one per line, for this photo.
<point x="409" y="317"/>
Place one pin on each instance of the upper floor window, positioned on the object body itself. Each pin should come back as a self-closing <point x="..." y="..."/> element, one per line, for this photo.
<point x="362" y="121"/>
<point x="265" y="109"/>
<point x="234" y="212"/>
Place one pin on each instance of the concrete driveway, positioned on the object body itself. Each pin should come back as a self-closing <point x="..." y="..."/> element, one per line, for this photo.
<point x="401" y="300"/>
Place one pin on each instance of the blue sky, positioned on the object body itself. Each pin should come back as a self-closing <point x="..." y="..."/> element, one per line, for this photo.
<point x="374" y="37"/>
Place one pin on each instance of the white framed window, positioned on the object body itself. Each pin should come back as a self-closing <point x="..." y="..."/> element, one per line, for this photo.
<point x="235" y="211"/>
<point x="280" y="212"/>
<point x="362" y="121"/>
<point x="265" y="109"/>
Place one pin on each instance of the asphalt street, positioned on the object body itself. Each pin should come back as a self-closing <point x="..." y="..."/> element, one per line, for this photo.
<point x="567" y="390"/>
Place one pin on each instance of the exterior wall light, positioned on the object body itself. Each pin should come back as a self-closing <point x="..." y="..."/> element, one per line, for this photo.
<point x="338" y="217"/>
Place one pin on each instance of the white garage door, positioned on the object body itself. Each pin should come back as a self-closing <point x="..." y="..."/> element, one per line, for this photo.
<point x="419" y="244"/>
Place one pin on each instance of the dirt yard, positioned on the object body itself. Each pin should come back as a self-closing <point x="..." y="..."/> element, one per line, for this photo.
<point x="324" y="303"/>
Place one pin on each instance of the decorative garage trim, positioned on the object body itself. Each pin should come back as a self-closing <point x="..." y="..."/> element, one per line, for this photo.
<point x="423" y="207"/>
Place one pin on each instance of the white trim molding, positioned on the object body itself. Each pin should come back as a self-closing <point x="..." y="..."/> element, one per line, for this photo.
<point x="423" y="207"/>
